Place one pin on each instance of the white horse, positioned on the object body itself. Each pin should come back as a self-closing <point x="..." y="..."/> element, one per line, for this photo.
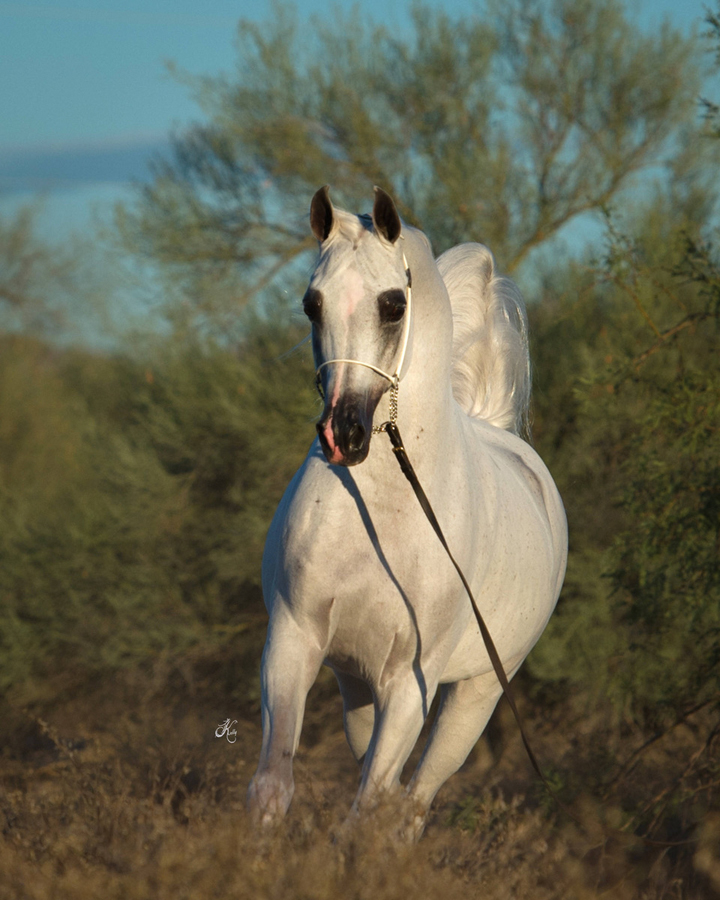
<point x="353" y="575"/>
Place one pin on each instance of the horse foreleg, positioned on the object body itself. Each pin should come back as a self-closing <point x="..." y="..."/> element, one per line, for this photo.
<point x="290" y="664"/>
<point x="464" y="711"/>
<point x="399" y="719"/>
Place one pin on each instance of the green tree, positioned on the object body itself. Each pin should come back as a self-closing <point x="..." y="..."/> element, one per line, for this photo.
<point x="628" y="421"/>
<point x="135" y="492"/>
<point x="666" y="565"/>
<point x="33" y="277"/>
<point x="63" y="291"/>
<point x="502" y="128"/>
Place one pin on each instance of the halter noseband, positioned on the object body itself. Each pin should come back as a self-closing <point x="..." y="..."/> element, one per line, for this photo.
<point x="393" y="379"/>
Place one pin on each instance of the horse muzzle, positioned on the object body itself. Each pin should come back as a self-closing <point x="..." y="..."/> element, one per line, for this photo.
<point x="345" y="431"/>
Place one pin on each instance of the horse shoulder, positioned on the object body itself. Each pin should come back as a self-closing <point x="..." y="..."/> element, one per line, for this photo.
<point x="296" y="539"/>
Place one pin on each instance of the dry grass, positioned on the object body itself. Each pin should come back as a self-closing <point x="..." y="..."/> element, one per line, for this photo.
<point x="124" y="795"/>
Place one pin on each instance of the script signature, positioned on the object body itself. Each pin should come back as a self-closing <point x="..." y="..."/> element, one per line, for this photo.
<point x="225" y="729"/>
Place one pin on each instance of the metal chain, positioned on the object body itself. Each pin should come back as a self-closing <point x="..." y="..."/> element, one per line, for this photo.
<point x="378" y="429"/>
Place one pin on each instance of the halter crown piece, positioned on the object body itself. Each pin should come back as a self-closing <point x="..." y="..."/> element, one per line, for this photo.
<point x="393" y="379"/>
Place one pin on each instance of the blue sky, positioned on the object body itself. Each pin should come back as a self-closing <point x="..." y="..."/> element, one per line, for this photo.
<point x="85" y="97"/>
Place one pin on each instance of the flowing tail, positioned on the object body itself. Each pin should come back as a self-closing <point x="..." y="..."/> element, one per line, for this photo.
<point x="491" y="360"/>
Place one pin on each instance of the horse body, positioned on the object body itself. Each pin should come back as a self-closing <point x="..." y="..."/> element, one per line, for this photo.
<point x="353" y="574"/>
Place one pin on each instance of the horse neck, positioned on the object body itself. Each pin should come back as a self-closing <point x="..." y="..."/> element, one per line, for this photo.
<point x="425" y="401"/>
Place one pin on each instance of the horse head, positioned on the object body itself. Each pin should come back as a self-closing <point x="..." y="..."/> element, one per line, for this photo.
<point x="357" y="302"/>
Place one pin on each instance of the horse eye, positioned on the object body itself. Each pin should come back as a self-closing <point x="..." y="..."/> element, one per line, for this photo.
<point x="392" y="305"/>
<point x="312" y="304"/>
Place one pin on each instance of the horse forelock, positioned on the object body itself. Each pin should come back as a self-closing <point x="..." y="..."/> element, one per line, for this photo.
<point x="352" y="227"/>
<point x="354" y="243"/>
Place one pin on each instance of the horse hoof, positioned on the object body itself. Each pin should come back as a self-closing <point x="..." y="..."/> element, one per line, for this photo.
<point x="401" y="819"/>
<point x="412" y="830"/>
<point x="268" y="800"/>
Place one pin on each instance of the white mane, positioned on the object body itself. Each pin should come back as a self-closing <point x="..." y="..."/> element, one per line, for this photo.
<point x="491" y="362"/>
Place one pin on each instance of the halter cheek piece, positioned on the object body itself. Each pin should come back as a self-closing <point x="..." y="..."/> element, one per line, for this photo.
<point x="393" y="379"/>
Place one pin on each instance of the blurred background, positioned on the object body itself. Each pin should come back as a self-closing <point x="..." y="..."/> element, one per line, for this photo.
<point x="156" y="169"/>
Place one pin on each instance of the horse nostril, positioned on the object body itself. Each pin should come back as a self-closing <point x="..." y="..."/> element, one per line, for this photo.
<point x="356" y="437"/>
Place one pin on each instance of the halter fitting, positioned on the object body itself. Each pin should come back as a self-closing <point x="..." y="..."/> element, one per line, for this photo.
<point x="393" y="379"/>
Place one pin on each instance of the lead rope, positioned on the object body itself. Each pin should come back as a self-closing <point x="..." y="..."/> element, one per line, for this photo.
<point x="404" y="461"/>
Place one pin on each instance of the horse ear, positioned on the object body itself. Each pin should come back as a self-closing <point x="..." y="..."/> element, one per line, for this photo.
<point x="321" y="214"/>
<point x="385" y="217"/>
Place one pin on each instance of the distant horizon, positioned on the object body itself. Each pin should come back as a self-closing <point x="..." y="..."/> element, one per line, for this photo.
<point x="70" y="165"/>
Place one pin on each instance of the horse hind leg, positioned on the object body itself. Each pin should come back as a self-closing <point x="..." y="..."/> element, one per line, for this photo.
<point x="290" y="664"/>
<point x="400" y="713"/>
<point x="464" y="711"/>
<point x="358" y="713"/>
